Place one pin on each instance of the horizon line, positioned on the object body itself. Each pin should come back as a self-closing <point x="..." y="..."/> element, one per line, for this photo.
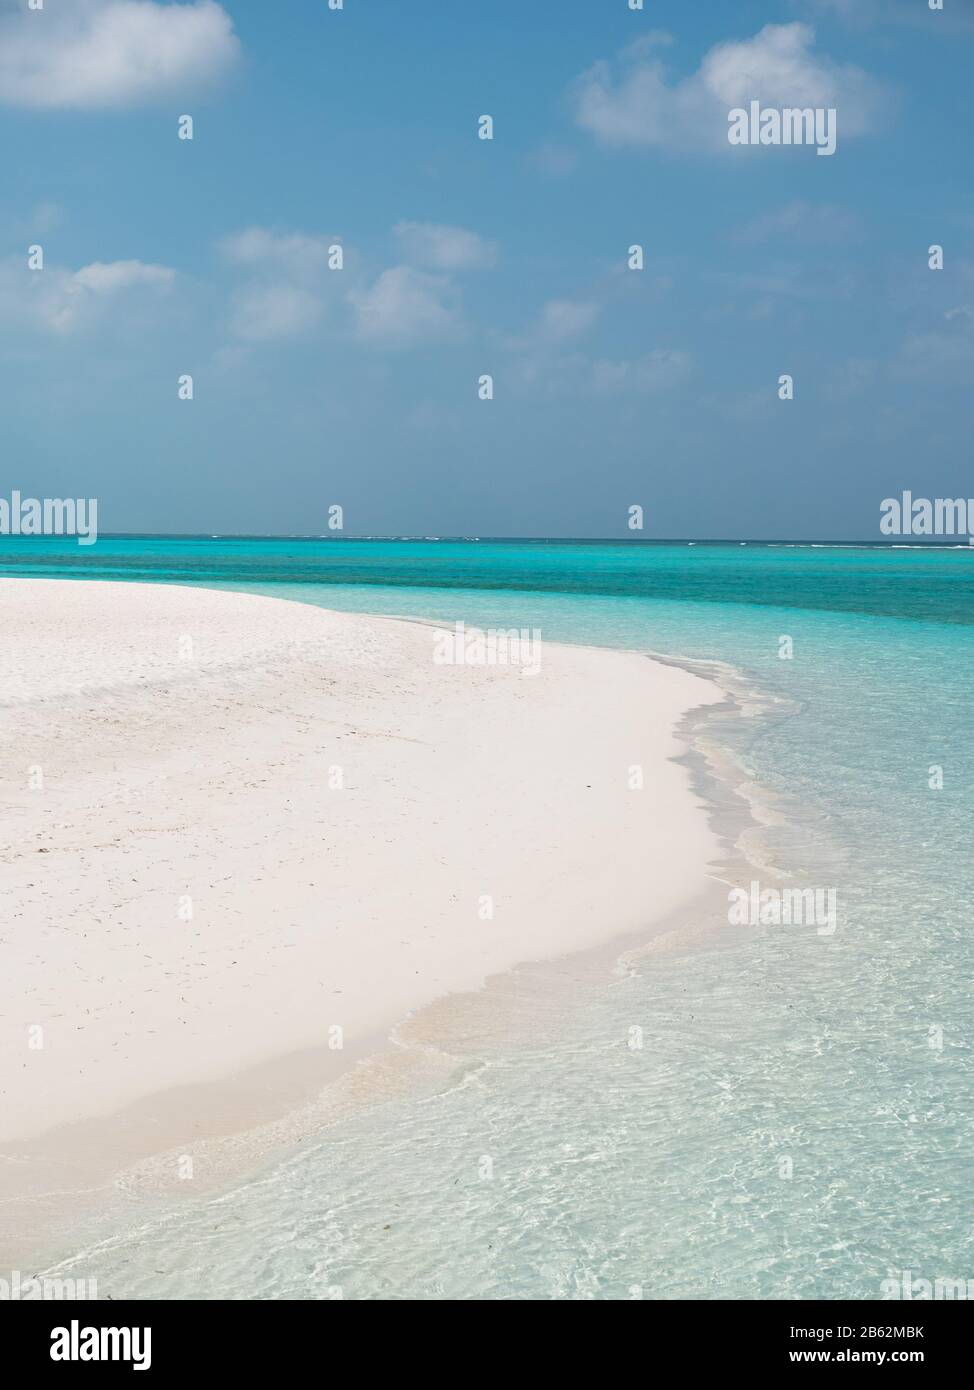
<point x="898" y="542"/>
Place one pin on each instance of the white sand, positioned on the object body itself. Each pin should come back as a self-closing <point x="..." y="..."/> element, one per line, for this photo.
<point x="171" y="773"/>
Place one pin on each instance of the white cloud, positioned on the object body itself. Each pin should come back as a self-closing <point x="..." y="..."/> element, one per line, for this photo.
<point x="640" y="105"/>
<point x="561" y="321"/>
<point x="288" y="282"/>
<point x="444" y="248"/>
<point x="566" y="319"/>
<point x="789" y="280"/>
<point x="802" y="221"/>
<point x="404" y="305"/>
<point x="294" y="251"/>
<point x="63" y="301"/>
<point x="546" y="361"/>
<point x="659" y="370"/>
<point x="779" y="68"/>
<point x="106" y="278"/>
<point x="289" y="285"/>
<point x="263" y="313"/>
<point x="942" y="355"/>
<point x="575" y="375"/>
<point x="107" y="53"/>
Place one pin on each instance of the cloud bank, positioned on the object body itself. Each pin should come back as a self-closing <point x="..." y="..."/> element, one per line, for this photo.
<point x="112" y="53"/>
<point x="636" y="103"/>
<point x="290" y="285"/>
<point x="61" y="301"/>
<point x="440" y="247"/>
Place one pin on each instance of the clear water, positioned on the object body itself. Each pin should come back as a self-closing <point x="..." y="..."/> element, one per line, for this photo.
<point x="798" y="1121"/>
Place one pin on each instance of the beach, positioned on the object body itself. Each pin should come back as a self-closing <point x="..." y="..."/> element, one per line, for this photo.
<point x="241" y="828"/>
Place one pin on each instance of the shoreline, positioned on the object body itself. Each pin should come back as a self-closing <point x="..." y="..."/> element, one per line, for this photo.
<point x="504" y="1012"/>
<point x="88" y="1161"/>
<point x="413" y="1059"/>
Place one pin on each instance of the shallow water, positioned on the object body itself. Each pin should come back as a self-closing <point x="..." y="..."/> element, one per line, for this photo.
<point x="797" y="1121"/>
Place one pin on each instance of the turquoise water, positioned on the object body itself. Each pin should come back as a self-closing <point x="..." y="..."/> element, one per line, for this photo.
<point x="798" y="1120"/>
<point x="892" y="581"/>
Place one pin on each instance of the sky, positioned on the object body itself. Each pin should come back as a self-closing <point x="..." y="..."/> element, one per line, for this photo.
<point x="359" y="127"/>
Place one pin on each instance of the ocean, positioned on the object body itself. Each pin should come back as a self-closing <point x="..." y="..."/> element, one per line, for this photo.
<point x="763" y="1112"/>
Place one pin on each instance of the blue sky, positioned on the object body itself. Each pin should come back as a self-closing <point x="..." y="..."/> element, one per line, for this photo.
<point x="462" y="257"/>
